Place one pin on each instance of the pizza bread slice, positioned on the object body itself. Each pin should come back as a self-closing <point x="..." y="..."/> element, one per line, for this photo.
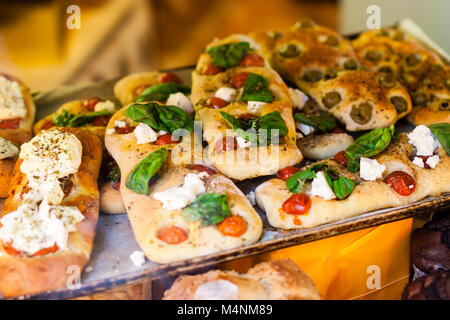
<point x="390" y="174"/>
<point x="240" y="102"/>
<point x="49" y="218"/>
<point x="306" y="52"/>
<point x="16" y="118"/>
<point x="177" y="210"/>
<point x="273" y="280"/>
<point x="153" y="86"/>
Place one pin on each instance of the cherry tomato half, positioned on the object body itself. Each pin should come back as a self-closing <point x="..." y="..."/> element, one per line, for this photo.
<point x="238" y="80"/>
<point x="211" y="70"/>
<point x="341" y="158"/>
<point x="170" y="77"/>
<point x="91" y="102"/>
<point x="165" y="139"/>
<point x="402" y="183"/>
<point x="12" y="123"/>
<point x="125" y="130"/>
<point x="233" y="226"/>
<point x="286" y="173"/>
<point x="297" y="204"/>
<point x="100" y="121"/>
<point x="226" y="144"/>
<point x="425" y="158"/>
<point x="216" y="103"/>
<point x="139" y="89"/>
<point x="44" y="251"/>
<point x="172" y="235"/>
<point x="202" y="168"/>
<point x="252" y="60"/>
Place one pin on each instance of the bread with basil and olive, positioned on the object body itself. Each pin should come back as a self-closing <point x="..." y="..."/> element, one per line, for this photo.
<point x="379" y="170"/>
<point x="17" y="111"/>
<point x="49" y="218"/>
<point x="177" y="209"/>
<point x="245" y="110"/>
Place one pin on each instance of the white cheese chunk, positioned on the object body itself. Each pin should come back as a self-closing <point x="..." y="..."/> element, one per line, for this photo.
<point x="254" y="106"/>
<point x="304" y="128"/>
<point x="251" y="197"/>
<point x="145" y="134"/>
<point x="433" y="161"/>
<point x="110" y="131"/>
<point x="423" y="140"/>
<point x="419" y="162"/>
<point x="181" y="101"/>
<point x="298" y="98"/>
<point x="7" y="148"/>
<point x="179" y="197"/>
<point x="120" y="124"/>
<point x="227" y="94"/>
<point x="138" y="258"/>
<point x="370" y="169"/>
<point x="105" y="105"/>
<point x="12" y="104"/>
<point x="217" y="290"/>
<point x="242" y="143"/>
<point x="321" y="188"/>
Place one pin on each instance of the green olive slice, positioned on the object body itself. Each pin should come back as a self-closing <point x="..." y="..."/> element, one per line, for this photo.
<point x="419" y="99"/>
<point x="373" y="55"/>
<point x="400" y="103"/>
<point x="331" y="99"/>
<point x="274" y="34"/>
<point x="290" y="50"/>
<point x="312" y="75"/>
<point x="444" y="105"/>
<point x="351" y="64"/>
<point x="385" y="69"/>
<point x="332" y="41"/>
<point x="387" y="80"/>
<point x="413" y="59"/>
<point x="362" y="113"/>
<point x="304" y="24"/>
<point x="330" y="73"/>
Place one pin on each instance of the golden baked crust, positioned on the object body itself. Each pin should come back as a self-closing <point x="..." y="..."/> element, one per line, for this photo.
<point x="125" y="88"/>
<point x="28" y="275"/>
<point x="367" y="195"/>
<point x="358" y="87"/>
<point x="273" y="280"/>
<point x="243" y="163"/>
<point x="111" y="200"/>
<point x="147" y="216"/>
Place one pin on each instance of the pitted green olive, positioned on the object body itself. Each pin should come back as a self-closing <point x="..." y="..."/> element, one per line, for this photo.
<point x="331" y="99"/>
<point x="445" y="105"/>
<point x="373" y="55"/>
<point x="419" y="99"/>
<point x="312" y="75"/>
<point x="290" y="50"/>
<point x="274" y="34"/>
<point x="362" y="113"/>
<point x="387" y="80"/>
<point x="304" y="24"/>
<point x="330" y="73"/>
<point x="400" y="103"/>
<point x="413" y="59"/>
<point x="332" y="41"/>
<point x="385" y="69"/>
<point x="351" y="64"/>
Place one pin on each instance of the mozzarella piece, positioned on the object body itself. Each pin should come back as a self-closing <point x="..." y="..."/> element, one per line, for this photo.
<point x="433" y="161"/>
<point x="181" y="101"/>
<point x="110" y="131"/>
<point x="298" y="98"/>
<point x="242" y="143"/>
<point x="120" y="124"/>
<point x="138" y="258"/>
<point x="144" y="134"/>
<point x="7" y="148"/>
<point x="217" y="290"/>
<point x="254" y="106"/>
<point x="370" y="169"/>
<point x="12" y="104"/>
<point x="105" y="105"/>
<point x="251" y="197"/>
<point x="304" y="128"/>
<point x="179" y="197"/>
<point x="321" y="188"/>
<point x="226" y="94"/>
<point x="419" y="162"/>
<point x="423" y="140"/>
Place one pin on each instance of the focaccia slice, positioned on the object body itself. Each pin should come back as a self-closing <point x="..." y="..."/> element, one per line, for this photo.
<point x="49" y="268"/>
<point x="217" y="90"/>
<point x="367" y="195"/>
<point x="152" y="221"/>
<point x="273" y="280"/>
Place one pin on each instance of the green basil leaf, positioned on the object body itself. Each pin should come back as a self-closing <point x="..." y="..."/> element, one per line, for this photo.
<point x="341" y="186"/>
<point x="174" y="118"/>
<point x="324" y="123"/>
<point x="210" y="207"/>
<point x="296" y="182"/>
<point x="368" y="145"/>
<point x="145" y="113"/>
<point x="63" y="119"/>
<point x="140" y="176"/>
<point x="161" y="92"/>
<point x="442" y="132"/>
<point x="256" y="89"/>
<point x="86" y="118"/>
<point x="228" y="55"/>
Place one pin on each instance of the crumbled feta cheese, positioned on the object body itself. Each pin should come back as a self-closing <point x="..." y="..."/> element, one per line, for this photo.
<point x="423" y="140"/>
<point x="179" y="197"/>
<point x="217" y="290"/>
<point x="242" y="143"/>
<point x="419" y="162"/>
<point x="181" y="101"/>
<point x="251" y="197"/>
<point x="433" y="161"/>
<point x="226" y="94"/>
<point x="120" y="124"/>
<point x="321" y="188"/>
<point x="110" y="131"/>
<point x="105" y="105"/>
<point x="7" y="148"/>
<point x="144" y="134"/>
<point x="298" y="98"/>
<point x="370" y="169"/>
<point x="138" y="258"/>
<point x="12" y="104"/>
<point x="253" y="106"/>
<point x="304" y="128"/>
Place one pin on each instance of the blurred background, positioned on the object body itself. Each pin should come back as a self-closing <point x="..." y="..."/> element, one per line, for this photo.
<point x="117" y="37"/>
